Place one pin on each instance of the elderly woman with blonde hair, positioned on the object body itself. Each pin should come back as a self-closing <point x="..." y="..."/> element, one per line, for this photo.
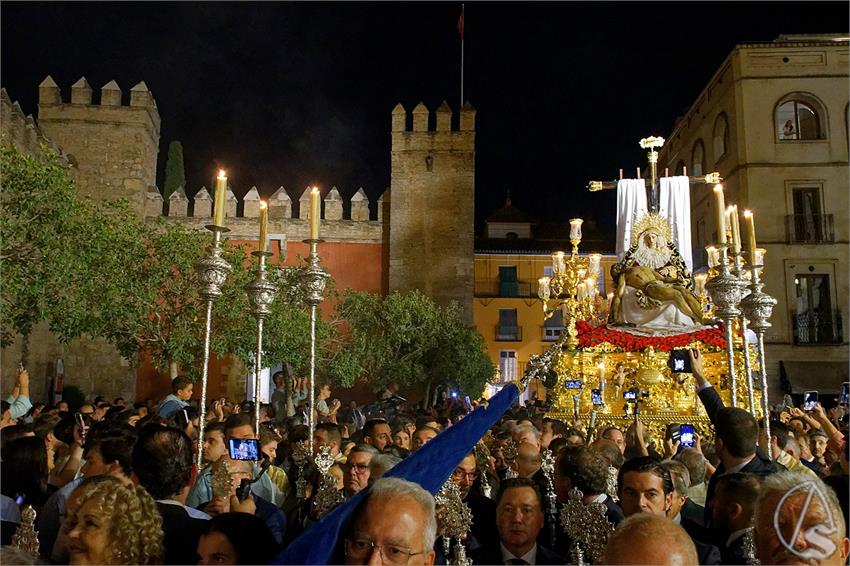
<point x="108" y="522"/>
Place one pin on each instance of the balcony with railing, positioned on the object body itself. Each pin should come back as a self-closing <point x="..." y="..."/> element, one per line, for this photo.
<point x="809" y="229"/>
<point x="508" y="333"/>
<point x="813" y="327"/>
<point x="489" y="288"/>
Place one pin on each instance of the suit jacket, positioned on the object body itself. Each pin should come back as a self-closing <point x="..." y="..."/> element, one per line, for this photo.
<point x="492" y="554"/>
<point x="614" y="512"/>
<point x="483" y="518"/>
<point x="181" y="534"/>
<point x="693" y="513"/>
<point x="734" y="554"/>
<point x="707" y="553"/>
<point x="759" y="465"/>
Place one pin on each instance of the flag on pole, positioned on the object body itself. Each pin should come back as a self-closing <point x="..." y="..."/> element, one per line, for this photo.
<point x="430" y="467"/>
<point x="460" y="22"/>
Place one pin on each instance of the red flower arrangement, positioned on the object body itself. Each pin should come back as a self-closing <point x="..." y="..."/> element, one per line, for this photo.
<point x="589" y="336"/>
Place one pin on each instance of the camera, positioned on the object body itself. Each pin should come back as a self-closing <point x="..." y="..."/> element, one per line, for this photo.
<point x="679" y="361"/>
<point x="244" y="449"/>
<point x="844" y="395"/>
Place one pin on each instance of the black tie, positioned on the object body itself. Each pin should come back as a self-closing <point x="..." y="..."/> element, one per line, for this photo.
<point x="517" y="561"/>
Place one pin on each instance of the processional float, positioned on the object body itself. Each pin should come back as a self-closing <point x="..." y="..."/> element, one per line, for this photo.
<point x="620" y="344"/>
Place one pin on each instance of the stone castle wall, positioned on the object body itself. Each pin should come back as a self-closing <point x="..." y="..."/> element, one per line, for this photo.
<point x="114" y="146"/>
<point x="433" y="205"/>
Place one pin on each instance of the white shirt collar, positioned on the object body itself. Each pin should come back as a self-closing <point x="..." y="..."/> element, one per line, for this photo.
<point x="530" y="556"/>
<point x="599" y="498"/>
<point x="678" y="518"/>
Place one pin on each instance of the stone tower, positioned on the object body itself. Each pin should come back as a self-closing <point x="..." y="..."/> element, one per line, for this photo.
<point x="432" y="205"/>
<point x="113" y="146"/>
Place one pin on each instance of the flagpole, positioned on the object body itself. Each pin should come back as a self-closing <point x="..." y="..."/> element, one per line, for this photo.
<point x="463" y="26"/>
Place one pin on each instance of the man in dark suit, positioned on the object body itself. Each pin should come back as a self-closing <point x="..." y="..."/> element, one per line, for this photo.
<point x="483" y="508"/>
<point x="703" y="538"/>
<point x="519" y="519"/>
<point x="162" y="464"/>
<point x="732" y="512"/>
<point x="736" y="436"/>
<point x="645" y="486"/>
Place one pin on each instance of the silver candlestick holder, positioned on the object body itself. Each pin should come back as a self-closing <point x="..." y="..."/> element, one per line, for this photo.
<point x="726" y="290"/>
<point x="212" y="272"/>
<point x="748" y="364"/>
<point x="315" y="279"/>
<point x="548" y="467"/>
<point x="261" y="293"/>
<point x="454" y="519"/>
<point x="482" y="463"/>
<point x="587" y="526"/>
<point x="759" y="307"/>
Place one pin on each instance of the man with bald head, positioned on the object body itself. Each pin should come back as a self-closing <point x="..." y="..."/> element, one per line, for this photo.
<point x="650" y="539"/>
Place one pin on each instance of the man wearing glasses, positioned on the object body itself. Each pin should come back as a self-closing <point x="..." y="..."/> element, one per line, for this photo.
<point x="356" y="470"/>
<point x="483" y="508"/>
<point x="395" y="524"/>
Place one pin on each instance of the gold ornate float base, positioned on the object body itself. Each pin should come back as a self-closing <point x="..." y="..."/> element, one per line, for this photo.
<point x="663" y="397"/>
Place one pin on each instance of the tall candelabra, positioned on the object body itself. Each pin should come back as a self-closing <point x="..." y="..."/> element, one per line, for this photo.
<point x="726" y="290"/>
<point x="572" y="287"/>
<point x="548" y="467"/>
<point x="261" y="292"/>
<point x="212" y="272"/>
<point x="758" y="307"/>
<point x="315" y="279"/>
<point x="739" y="270"/>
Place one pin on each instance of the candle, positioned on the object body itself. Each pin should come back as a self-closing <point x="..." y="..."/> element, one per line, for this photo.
<point x="558" y="265"/>
<point x="581" y="292"/>
<point x="543" y="288"/>
<point x="315" y="212"/>
<point x="760" y="256"/>
<point x="713" y="256"/>
<point x="610" y="297"/>
<point x="220" y="198"/>
<point x="595" y="263"/>
<point x="591" y="287"/>
<point x="264" y="226"/>
<point x="751" y="234"/>
<point x="575" y="228"/>
<point x="719" y="212"/>
<point x="601" y="367"/>
<point x="736" y="229"/>
<point x="699" y="284"/>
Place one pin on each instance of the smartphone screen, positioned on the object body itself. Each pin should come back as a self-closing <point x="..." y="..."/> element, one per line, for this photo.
<point x="679" y="362"/>
<point x="629" y="395"/>
<point x="686" y="436"/>
<point x="844" y="395"/>
<point x="573" y="384"/>
<point x="244" y="449"/>
<point x="596" y="397"/>
<point x="468" y="402"/>
<point x="182" y="418"/>
<point x="810" y="399"/>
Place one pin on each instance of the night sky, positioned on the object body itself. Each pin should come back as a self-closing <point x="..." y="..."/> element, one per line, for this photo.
<point x="296" y="94"/>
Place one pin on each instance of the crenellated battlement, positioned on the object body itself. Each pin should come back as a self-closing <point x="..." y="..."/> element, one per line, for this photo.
<point x="22" y="131"/>
<point x="355" y="226"/>
<point x="413" y="131"/>
<point x="115" y="144"/>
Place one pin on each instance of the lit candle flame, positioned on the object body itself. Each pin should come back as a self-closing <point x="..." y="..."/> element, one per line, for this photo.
<point x="221" y="174"/>
<point x="263" y="205"/>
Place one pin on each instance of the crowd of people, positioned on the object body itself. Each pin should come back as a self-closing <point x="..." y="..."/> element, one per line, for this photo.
<point x="117" y="483"/>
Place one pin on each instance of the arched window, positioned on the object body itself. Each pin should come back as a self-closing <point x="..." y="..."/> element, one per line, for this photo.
<point x="721" y="136"/>
<point x="698" y="159"/>
<point x="798" y="117"/>
<point x="680" y="168"/>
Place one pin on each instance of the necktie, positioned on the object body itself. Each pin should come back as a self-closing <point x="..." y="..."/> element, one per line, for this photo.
<point x="517" y="561"/>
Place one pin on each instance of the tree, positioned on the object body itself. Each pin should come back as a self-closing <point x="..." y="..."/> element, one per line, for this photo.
<point x="407" y="339"/>
<point x="175" y="174"/>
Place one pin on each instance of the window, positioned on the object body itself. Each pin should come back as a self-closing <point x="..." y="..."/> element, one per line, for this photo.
<point x="814" y="320"/>
<point x="508" y="330"/>
<point x="553" y="327"/>
<point x="508" y="284"/>
<point x="507" y="365"/>
<point x="698" y="159"/>
<point x="798" y="119"/>
<point x="721" y="137"/>
<point x="698" y="249"/>
<point x="680" y="168"/>
<point x="807" y="214"/>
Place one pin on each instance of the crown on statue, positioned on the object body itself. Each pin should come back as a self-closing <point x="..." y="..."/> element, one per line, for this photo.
<point x="652" y="222"/>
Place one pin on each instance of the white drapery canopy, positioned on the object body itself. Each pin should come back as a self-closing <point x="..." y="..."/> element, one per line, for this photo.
<point x="674" y="205"/>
